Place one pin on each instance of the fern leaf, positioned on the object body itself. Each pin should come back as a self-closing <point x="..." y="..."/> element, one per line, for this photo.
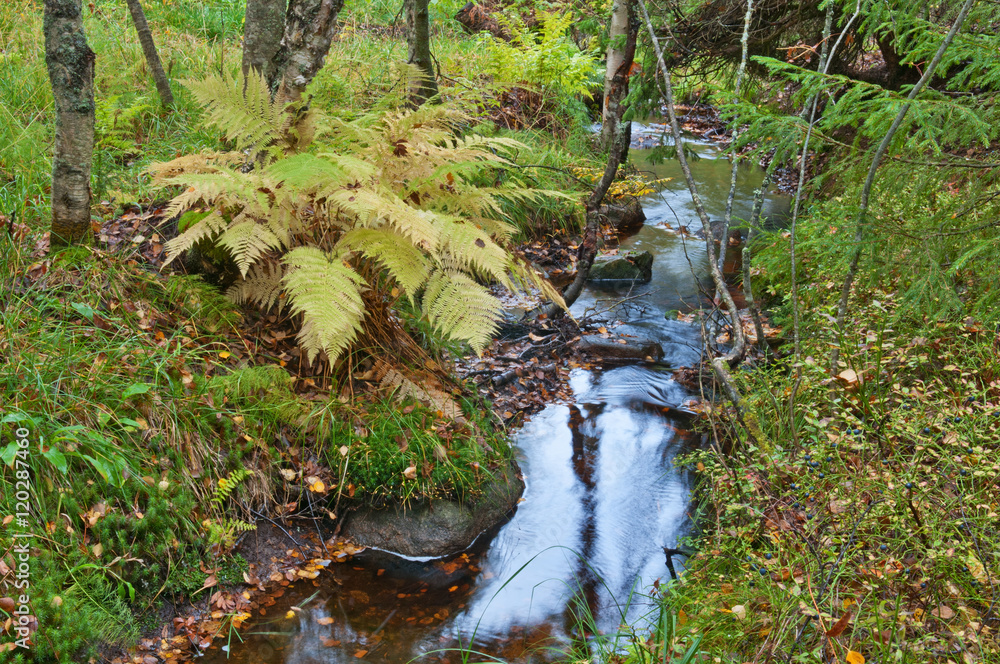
<point x="247" y="241"/>
<point x="209" y="227"/>
<point x="262" y="285"/>
<point x="242" y="109"/>
<point x="461" y="309"/>
<point x="475" y="249"/>
<point x="405" y="262"/>
<point x="327" y="294"/>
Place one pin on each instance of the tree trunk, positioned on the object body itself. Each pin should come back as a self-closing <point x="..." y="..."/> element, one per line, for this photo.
<point x="263" y="28"/>
<point x="149" y="49"/>
<point x="617" y="45"/>
<point x="309" y="29"/>
<point x="620" y="141"/>
<point x="71" y="70"/>
<point x="418" y="40"/>
<point x="735" y="355"/>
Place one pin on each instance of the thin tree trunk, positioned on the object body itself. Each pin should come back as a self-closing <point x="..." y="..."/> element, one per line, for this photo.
<point x="309" y="29"/>
<point x="418" y="41"/>
<point x="149" y="49"/>
<point x="739" y="344"/>
<point x="263" y="28"/>
<point x="71" y="70"/>
<point x="803" y="161"/>
<point x="758" y="205"/>
<point x="619" y="148"/>
<point x="727" y="219"/>
<point x="722" y="363"/>
<point x="621" y="21"/>
<point x="862" y="221"/>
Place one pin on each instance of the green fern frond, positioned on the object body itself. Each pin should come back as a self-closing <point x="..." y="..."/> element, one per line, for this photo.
<point x="327" y="294"/>
<point x="247" y="241"/>
<point x="249" y="380"/>
<point x="461" y="309"/>
<point x="404" y="262"/>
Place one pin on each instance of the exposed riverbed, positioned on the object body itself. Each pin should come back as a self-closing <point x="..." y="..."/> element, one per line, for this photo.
<point x="603" y="495"/>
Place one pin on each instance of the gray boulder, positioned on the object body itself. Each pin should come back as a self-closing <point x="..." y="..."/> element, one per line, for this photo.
<point x="623" y="215"/>
<point x="635" y="268"/>
<point x="436" y="527"/>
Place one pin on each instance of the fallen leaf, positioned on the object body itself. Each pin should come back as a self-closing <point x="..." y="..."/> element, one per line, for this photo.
<point x="840" y="625"/>
<point x="361" y="653"/>
<point x="325" y="621"/>
<point x="943" y="612"/>
<point x="210" y="581"/>
<point x="854" y="657"/>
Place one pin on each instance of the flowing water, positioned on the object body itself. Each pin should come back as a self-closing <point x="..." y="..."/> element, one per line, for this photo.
<point x="603" y="496"/>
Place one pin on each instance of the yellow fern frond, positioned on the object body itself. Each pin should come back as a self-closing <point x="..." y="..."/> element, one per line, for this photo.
<point x="209" y="227"/>
<point x="461" y="309"/>
<point x="242" y="109"/>
<point x="404" y="262"/>
<point x="262" y="285"/>
<point x="247" y="241"/>
<point x="527" y="278"/>
<point x="327" y="294"/>
<point x="474" y="249"/>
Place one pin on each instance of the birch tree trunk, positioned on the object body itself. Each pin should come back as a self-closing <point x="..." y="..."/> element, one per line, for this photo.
<point x="617" y="44"/>
<point x="71" y="71"/>
<point x="418" y="41"/>
<point x="263" y="28"/>
<point x="616" y="155"/>
<point x="727" y="219"/>
<point x="735" y="355"/>
<point x="149" y="50"/>
<point x="309" y="29"/>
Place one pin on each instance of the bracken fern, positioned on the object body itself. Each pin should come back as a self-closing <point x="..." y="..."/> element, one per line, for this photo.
<point x="373" y="210"/>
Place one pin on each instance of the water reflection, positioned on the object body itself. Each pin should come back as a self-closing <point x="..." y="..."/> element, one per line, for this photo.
<point x="603" y="498"/>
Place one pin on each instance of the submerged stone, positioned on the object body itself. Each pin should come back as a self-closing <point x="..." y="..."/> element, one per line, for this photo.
<point x="623" y="268"/>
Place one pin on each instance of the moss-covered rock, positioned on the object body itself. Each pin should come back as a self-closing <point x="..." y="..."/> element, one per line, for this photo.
<point x="437" y="527"/>
<point x="623" y="268"/>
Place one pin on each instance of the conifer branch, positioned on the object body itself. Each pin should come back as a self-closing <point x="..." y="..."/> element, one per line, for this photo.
<point x="862" y="220"/>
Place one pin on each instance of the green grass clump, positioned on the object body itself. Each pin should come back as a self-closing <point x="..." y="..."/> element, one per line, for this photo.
<point x="394" y="453"/>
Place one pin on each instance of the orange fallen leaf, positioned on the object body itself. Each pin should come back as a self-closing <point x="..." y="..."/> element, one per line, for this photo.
<point x="854" y="657"/>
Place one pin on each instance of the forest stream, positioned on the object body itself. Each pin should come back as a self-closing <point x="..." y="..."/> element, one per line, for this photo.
<point x="603" y="496"/>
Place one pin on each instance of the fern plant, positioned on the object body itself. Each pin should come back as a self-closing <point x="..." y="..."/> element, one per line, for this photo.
<point x="548" y="59"/>
<point x="222" y="531"/>
<point x="338" y="230"/>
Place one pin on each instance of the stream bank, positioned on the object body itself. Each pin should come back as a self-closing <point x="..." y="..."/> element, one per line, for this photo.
<point x="603" y="495"/>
